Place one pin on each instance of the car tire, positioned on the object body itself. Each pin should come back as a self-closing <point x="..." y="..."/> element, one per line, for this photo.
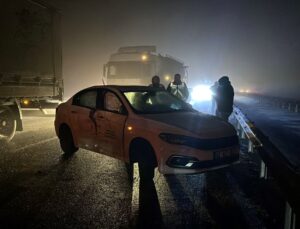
<point x="129" y="169"/>
<point x="8" y="123"/>
<point x="146" y="172"/>
<point x="145" y="157"/>
<point x="66" y="141"/>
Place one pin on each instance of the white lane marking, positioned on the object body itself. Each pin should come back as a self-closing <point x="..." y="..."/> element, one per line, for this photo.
<point x="36" y="143"/>
<point x="30" y="109"/>
<point x="49" y="111"/>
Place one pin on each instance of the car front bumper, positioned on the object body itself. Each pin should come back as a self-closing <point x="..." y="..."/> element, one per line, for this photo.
<point x="191" y="161"/>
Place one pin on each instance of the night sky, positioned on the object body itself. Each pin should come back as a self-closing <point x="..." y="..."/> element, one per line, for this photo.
<point x="255" y="43"/>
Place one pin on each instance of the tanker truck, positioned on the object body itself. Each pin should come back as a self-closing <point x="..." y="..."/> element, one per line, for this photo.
<point x="30" y="60"/>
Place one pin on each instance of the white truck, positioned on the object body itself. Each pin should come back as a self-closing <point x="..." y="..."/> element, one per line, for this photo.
<point x="136" y="65"/>
<point x="30" y="60"/>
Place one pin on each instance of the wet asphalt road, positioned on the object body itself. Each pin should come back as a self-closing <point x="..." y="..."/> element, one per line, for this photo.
<point x="40" y="188"/>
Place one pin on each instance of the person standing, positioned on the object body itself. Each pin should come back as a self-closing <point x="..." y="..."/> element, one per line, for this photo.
<point x="156" y="83"/>
<point x="178" y="88"/>
<point x="224" y="98"/>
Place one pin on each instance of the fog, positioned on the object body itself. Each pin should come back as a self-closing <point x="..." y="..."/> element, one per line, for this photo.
<point x="255" y="43"/>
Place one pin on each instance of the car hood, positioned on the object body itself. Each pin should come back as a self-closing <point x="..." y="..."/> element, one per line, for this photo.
<point x="204" y="125"/>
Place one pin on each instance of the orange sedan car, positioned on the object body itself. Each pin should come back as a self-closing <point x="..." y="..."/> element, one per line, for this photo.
<point x="145" y="125"/>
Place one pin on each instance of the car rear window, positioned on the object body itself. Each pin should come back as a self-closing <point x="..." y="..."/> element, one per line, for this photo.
<point x="86" y="99"/>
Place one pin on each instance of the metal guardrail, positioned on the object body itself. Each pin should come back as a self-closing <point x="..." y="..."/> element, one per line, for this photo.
<point x="287" y="177"/>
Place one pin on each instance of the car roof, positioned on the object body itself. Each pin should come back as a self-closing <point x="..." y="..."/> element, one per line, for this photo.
<point x="124" y="88"/>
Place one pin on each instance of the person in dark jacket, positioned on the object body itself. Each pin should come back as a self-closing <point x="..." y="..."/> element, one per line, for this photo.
<point x="178" y="88"/>
<point x="156" y="82"/>
<point x="224" y="98"/>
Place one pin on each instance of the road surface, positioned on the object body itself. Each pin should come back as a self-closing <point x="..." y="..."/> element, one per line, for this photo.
<point x="40" y="188"/>
<point x="280" y="125"/>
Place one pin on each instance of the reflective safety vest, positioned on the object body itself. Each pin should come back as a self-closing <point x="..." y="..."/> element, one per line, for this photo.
<point x="179" y="91"/>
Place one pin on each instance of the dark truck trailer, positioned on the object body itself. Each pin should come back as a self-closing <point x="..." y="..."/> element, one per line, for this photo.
<point x="30" y="60"/>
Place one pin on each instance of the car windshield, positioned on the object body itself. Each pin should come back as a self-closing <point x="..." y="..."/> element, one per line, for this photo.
<point x="149" y="102"/>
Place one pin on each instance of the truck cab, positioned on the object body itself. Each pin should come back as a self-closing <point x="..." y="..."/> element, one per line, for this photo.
<point x="136" y="65"/>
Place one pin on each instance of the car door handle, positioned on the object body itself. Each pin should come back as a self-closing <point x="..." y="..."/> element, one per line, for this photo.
<point x="74" y="112"/>
<point x="100" y="116"/>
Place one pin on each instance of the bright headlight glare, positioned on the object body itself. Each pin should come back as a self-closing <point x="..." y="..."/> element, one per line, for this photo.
<point x="201" y="93"/>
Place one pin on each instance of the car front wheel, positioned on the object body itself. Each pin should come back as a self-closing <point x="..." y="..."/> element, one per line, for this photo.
<point x="146" y="172"/>
<point x="143" y="153"/>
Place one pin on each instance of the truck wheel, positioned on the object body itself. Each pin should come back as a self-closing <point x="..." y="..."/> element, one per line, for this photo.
<point x="8" y="123"/>
<point x="66" y="141"/>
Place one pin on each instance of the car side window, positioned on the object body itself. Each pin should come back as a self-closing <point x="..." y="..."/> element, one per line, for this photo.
<point x="112" y="103"/>
<point x="86" y="99"/>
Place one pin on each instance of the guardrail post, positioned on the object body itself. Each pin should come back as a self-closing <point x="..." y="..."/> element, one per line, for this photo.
<point x="290" y="217"/>
<point x="238" y="126"/>
<point x="290" y="107"/>
<point x="296" y="108"/>
<point x="263" y="170"/>
<point x="250" y="146"/>
<point x="243" y="134"/>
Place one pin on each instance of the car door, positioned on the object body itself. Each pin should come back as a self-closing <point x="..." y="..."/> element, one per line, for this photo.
<point x="82" y="118"/>
<point x="110" y="118"/>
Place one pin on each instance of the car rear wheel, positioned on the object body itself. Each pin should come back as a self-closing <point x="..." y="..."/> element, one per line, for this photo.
<point x="66" y="141"/>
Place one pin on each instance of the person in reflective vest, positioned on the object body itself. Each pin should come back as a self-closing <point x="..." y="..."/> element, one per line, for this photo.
<point x="178" y="88"/>
<point x="156" y="83"/>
